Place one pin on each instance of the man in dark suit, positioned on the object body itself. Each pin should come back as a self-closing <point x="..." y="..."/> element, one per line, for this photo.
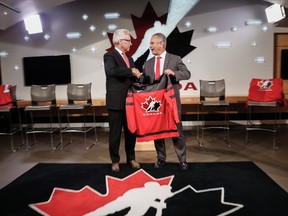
<point x="120" y="73"/>
<point x="173" y="66"/>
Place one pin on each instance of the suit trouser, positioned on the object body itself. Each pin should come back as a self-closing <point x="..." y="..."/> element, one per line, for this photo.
<point x="117" y="121"/>
<point x="179" y="146"/>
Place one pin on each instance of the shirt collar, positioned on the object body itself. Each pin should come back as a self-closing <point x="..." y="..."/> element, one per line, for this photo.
<point x="163" y="55"/>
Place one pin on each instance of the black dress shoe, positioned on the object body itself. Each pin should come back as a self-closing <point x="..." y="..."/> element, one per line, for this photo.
<point x="183" y="166"/>
<point x="115" y="167"/>
<point x="159" y="164"/>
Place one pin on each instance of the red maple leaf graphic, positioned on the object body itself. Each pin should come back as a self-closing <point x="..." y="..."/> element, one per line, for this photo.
<point x="79" y="202"/>
<point x="146" y="104"/>
<point x="141" y="24"/>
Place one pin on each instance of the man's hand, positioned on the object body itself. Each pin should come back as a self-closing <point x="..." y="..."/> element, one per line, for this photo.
<point x="169" y="72"/>
<point x="136" y="73"/>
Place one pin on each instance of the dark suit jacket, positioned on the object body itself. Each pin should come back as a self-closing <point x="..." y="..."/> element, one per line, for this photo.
<point x="118" y="79"/>
<point x="172" y="62"/>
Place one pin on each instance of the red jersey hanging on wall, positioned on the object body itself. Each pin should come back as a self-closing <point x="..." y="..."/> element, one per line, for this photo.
<point x="152" y="110"/>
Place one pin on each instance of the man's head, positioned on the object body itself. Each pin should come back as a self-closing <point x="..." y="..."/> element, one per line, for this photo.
<point x="158" y="44"/>
<point x="122" y="39"/>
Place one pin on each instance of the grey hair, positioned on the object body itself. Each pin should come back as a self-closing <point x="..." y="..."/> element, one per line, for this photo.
<point x="162" y="38"/>
<point x="119" y="34"/>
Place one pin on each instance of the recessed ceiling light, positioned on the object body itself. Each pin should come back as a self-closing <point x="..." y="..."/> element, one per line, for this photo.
<point x="74" y="50"/>
<point x="92" y="28"/>
<point x="112" y="27"/>
<point x="212" y="29"/>
<point x="26" y="38"/>
<point x="3" y="53"/>
<point x="73" y="35"/>
<point x="93" y="49"/>
<point x="85" y="17"/>
<point x="46" y="36"/>
<point x="253" y="22"/>
<point x="104" y="33"/>
<point x="113" y="15"/>
<point x="188" y="24"/>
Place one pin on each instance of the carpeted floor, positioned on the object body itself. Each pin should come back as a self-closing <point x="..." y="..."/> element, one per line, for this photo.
<point x="224" y="188"/>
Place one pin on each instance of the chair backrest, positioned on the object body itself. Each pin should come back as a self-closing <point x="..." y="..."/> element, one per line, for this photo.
<point x="43" y="94"/>
<point x="212" y="89"/>
<point x="79" y="92"/>
<point x="13" y="95"/>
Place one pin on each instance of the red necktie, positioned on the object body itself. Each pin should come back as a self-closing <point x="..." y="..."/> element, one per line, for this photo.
<point x="126" y="60"/>
<point x="157" y="75"/>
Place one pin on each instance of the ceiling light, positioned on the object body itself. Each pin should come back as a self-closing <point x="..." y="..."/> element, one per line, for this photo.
<point x="188" y="24"/>
<point x="26" y="38"/>
<point x="16" y="67"/>
<point x="260" y="59"/>
<point x="92" y="28"/>
<point x="104" y="33"/>
<point x="212" y="29"/>
<point x="264" y="28"/>
<point x="73" y="35"/>
<point x="46" y="36"/>
<point x="113" y="15"/>
<point x="33" y="24"/>
<point x="3" y="54"/>
<point x="253" y="44"/>
<point x="275" y="13"/>
<point x="93" y="49"/>
<point x="223" y="44"/>
<point x="85" y="17"/>
<point x="234" y="28"/>
<point x="253" y="22"/>
<point x="112" y="27"/>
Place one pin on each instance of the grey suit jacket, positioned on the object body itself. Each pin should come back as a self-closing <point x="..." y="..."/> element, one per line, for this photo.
<point x="172" y="62"/>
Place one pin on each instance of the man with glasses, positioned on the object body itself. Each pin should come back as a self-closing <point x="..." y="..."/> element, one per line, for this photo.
<point x="120" y="74"/>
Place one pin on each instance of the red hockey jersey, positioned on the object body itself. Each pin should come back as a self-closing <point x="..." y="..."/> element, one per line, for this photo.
<point x="266" y="90"/>
<point x="152" y="110"/>
<point x="5" y="96"/>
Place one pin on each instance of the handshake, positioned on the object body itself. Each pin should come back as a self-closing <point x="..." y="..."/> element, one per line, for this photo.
<point x="136" y="73"/>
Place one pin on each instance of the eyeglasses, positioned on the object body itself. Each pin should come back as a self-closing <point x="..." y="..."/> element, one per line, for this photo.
<point x="127" y="40"/>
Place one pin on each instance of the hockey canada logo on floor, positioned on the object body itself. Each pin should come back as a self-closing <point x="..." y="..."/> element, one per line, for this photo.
<point x="136" y="193"/>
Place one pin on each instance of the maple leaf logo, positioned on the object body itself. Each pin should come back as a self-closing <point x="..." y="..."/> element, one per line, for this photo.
<point x="151" y="105"/>
<point x="177" y="43"/>
<point x="134" y="194"/>
<point x="265" y="85"/>
<point x="81" y="202"/>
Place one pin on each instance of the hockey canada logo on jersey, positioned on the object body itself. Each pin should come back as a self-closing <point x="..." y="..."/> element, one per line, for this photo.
<point x="151" y="105"/>
<point x="265" y="85"/>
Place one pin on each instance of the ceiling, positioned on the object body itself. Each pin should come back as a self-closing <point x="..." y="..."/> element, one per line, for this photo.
<point x="17" y="10"/>
<point x="14" y="11"/>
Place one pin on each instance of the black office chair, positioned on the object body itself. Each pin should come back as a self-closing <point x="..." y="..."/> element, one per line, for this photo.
<point x="265" y="95"/>
<point x="212" y="100"/>
<point x="79" y="106"/>
<point x="43" y="100"/>
<point x="10" y="115"/>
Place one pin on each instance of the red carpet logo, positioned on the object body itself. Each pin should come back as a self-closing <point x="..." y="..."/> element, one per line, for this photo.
<point x="137" y="192"/>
